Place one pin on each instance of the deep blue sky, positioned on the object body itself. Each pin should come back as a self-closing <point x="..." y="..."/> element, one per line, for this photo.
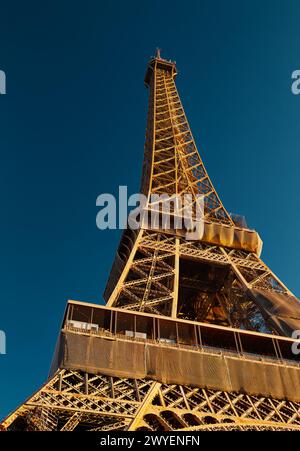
<point x="73" y="124"/>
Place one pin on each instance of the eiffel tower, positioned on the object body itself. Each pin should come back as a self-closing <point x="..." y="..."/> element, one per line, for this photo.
<point x="195" y="334"/>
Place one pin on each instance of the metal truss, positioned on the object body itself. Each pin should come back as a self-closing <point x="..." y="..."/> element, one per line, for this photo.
<point x="151" y="282"/>
<point x="171" y="156"/>
<point x="177" y="407"/>
<point x="73" y="400"/>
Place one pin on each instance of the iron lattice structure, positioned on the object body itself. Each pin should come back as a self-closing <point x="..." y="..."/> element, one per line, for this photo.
<point x="158" y="272"/>
<point x="74" y="400"/>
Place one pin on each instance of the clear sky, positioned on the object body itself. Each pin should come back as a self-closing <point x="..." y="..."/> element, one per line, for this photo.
<point x="72" y="126"/>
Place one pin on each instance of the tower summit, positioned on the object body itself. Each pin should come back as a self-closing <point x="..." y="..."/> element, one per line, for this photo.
<point x="195" y="334"/>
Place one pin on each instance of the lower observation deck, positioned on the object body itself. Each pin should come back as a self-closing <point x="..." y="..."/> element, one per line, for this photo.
<point x="122" y="343"/>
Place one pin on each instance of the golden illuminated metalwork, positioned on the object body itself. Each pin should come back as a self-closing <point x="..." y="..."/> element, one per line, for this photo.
<point x="219" y="280"/>
<point x="93" y="402"/>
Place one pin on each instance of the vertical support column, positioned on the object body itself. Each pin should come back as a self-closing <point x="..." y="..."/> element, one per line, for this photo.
<point x="86" y="383"/>
<point x="112" y="388"/>
<point x="176" y="280"/>
<point x="60" y="379"/>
